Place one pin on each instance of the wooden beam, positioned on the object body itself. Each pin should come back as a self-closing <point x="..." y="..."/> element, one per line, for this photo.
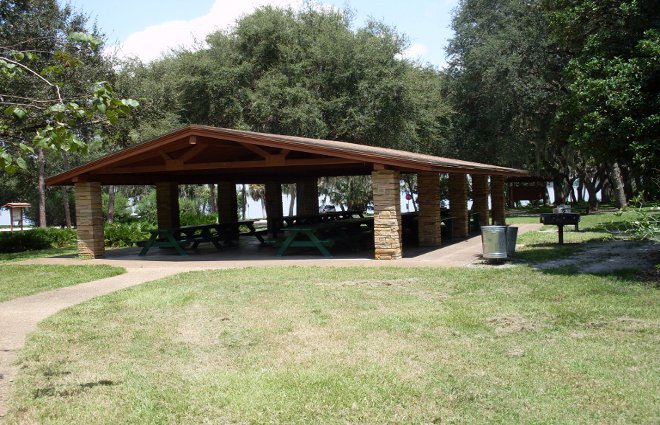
<point x="275" y="162"/>
<point x="191" y="153"/>
<point x="192" y="140"/>
<point x="256" y="149"/>
<point x="165" y="156"/>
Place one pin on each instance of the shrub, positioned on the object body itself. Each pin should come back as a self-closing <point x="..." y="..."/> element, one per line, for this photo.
<point x="124" y="234"/>
<point x="33" y="239"/>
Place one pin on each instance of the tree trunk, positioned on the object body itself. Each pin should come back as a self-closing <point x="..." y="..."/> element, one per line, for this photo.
<point x="618" y="186"/>
<point x="65" y="205"/>
<point x="111" y="203"/>
<point x="243" y="201"/>
<point x="41" y="186"/>
<point x="627" y="182"/>
<point x="606" y="192"/>
<point x="214" y="204"/>
<point x="65" y="194"/>
<point x="558" y="192"/>
<point x="292" y="203"/>
<point x="591" y="190"/>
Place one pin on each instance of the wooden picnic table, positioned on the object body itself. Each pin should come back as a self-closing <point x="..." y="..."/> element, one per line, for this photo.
<point x="324" y="234"/>
<point x="321" y="217"/>
<point x="282" y="223"/>
<point x="180" y="238"/>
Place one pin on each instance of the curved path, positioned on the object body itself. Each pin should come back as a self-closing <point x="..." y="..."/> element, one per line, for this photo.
<point x="19" y="317"/>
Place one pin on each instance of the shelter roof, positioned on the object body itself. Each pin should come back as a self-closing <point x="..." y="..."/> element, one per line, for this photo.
<point x="203" y="154"/>
<point x="16" y="205"/>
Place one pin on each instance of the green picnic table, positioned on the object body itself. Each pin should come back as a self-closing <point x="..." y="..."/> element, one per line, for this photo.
<point x="324" y="234"/>
<point x="180" y="238"/>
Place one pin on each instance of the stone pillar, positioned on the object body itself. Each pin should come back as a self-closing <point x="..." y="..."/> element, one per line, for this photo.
<point x="167" y="204"/>
<point x="458" y="204"/>
<point x="480" y="197"/>
<point x="89" y="219"/>
<point x="497" y="199"/>
<point x="387" y="214"/>
<point x="227" y="203"/>
<point x="274" y="206"/>
<point x="428" y="201"/>
<point x="308" y="196"/>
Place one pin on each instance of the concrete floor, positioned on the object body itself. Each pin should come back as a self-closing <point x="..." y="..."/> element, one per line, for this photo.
<point x="249" y="253"/>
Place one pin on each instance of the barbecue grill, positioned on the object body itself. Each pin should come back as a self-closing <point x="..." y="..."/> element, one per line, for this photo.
<point x="561" y="220"/>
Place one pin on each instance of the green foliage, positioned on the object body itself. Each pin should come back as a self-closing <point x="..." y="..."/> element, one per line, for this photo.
<point x="308" y="73"/>
<point x="643" y="224"/>
<point x="122" y="210"/>
<point x="612" y="103"/>
<point x="35" y="239"/>
<point x="125" y="234"/>
<point x="504" y="72"/>
<point x="53" y="88"/>
<point x="145" y="208"/>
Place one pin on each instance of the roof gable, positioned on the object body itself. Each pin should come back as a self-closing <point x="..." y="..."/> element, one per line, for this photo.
<point x="203" y="154"/>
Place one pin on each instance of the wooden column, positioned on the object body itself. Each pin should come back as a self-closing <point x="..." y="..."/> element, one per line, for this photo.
<point x="387" y="214"/>
<point x="308" y="196"/>
<point x="167" y="204"/>
<point x="428" y="201"/>
<point x="274" y="206"/>
<point x="497" y="199"/>
<point x="458" y="204"/>
<point x="89" y="219"/>
<point x="480" y="197"/>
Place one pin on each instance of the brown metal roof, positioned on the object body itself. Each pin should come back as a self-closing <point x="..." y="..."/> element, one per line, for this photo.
<point x="203" y="154"/>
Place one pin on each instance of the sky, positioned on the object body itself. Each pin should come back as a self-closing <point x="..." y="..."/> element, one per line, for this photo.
<point x="149" y="28"/>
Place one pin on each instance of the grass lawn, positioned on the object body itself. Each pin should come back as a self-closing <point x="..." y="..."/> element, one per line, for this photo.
<point x="350" y="345"/>
<point x="40" y="253"/>
<point x="543" y="245"/>
<point x="19" y="280"/>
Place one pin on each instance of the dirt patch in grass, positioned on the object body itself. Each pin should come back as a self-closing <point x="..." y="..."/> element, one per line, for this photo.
<point x="513" y="323"/>
<point x="609" y="257"/>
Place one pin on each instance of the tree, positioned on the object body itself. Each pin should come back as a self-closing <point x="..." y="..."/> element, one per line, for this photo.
<point x="505" y="83"/>
<point x="612" y="104"/>
<point x="54" y="87"/>
<point x="42" y="54"/>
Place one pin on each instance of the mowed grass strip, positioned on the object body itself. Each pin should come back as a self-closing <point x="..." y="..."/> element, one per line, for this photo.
<point x="349" y="345"/>
<point x="18" y="280"/>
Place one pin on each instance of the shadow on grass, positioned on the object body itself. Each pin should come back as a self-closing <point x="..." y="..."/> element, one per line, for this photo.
<point x="70" y="391"/>
<point x="631" y="276"/>
<point x="541" y="252"/>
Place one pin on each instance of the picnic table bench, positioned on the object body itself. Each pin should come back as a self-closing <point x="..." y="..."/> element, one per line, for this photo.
<point x="324" y="234"/>
<point x="180" y="238"/>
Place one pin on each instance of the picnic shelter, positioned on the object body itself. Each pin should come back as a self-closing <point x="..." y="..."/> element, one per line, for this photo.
<point x="199" y="154"/>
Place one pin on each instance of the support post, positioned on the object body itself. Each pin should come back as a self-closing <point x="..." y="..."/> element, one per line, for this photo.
<point x="458" y="204"/>
<point x="497" y="199"/>
<point x="89" y="219"/>
<point x="387" y="214"/>
<point x="274" y="207"/>
<point x="228" y="205"/>
<point x="167" y="204"/>
<point x="428" y="201"/>
<point x="308" y="196"/>
<point x="480" y="197"/>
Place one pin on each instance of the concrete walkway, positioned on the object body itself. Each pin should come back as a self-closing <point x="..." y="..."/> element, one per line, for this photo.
<point x="19" y="317"/>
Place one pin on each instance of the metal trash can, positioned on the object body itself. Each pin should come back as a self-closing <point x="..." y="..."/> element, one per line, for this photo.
<point x="511" y="236"/>
<point x="494" y="242"/>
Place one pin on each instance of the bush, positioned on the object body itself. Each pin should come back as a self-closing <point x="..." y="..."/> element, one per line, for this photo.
<point x="33" y="239"/>
<point x="124" y="234"/>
